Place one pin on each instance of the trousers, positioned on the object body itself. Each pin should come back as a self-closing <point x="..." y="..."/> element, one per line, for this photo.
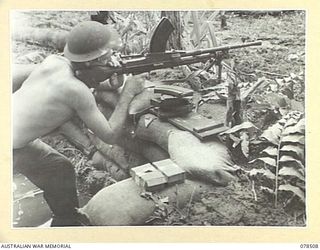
<point x="54" y="174"/>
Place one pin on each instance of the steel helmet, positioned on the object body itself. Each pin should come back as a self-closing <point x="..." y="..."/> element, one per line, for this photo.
<point x="90" y="40"/>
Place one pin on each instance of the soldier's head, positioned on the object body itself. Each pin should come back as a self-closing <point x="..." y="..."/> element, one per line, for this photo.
<point x="91" y="43"/>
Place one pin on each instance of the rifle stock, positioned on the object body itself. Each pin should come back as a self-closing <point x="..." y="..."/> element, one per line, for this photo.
<point x="151" y="61"/>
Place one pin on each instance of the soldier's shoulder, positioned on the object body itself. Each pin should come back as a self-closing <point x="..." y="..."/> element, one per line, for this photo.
<point x="75" y="86"/>
<point x="57" y="67"/>
<point x="57" y="60"/>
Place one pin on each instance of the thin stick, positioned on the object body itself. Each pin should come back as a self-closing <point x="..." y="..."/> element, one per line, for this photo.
<point x="254" y="191"/>
<point x="271" y="73"/>
<point x="277" y="174"/>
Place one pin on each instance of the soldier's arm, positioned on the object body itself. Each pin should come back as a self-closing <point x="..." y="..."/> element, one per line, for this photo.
<point x="107" y="130"/>
<point x="113" y="83"/>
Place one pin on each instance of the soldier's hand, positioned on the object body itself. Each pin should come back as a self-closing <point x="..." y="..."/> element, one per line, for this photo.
<point x="134" y="85"/>
<point x="116" y="81"/>
<point x="115" y="60"/>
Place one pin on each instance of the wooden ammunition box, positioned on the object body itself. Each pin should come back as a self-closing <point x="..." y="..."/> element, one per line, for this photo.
<point x="148" y="177"/>
<point x="137" y="171"/>
<point x="153" y="181"/>
<point x="172" y="172"/>
<point x="200" y="126"/>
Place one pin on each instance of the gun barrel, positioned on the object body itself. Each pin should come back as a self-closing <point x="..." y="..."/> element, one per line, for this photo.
<point x="221" y="48"/>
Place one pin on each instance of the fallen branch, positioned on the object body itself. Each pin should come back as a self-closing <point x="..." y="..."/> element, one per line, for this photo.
<point x="244" y="96"/>
<point x="271" y="73"/>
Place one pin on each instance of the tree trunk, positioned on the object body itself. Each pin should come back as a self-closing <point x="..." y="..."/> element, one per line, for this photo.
<point x="175" y="38"/>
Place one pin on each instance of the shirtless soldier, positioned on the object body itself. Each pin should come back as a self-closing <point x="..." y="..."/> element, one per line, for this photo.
<point x="48" y="98"/>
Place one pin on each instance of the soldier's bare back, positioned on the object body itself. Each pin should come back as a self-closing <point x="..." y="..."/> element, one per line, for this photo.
<point x="43" y="102"/>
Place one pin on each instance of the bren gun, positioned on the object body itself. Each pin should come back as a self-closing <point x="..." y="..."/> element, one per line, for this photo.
<point x="158" y="58"/>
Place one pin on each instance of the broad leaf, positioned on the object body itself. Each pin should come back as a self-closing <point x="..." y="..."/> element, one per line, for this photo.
<point x="245" y="143"/>
<point x="291" y="122"/>
<point x="293" y="130"/>
<point x="272" y="151"/>
<point x="266" y="189"/>
<point x="265" y="172"/>
<point x="290" y="171"/>
<point x="279" y="81"/>
<point x="272" y="134"/>
<point x="296" y="114"/>
<point x="294" y="165"/>
<point x="301" y="126"/>
<point x="287" y="79"/>
<point x="268" y="160"/>
<point x="293" y="75"/>
<point x="297" y="191"/>
<point x="274" y="87"/>
<point x="257" y="142"/>
<point x="288" y="158"/>
<point x="236" y="140"/>
<point x="293" y="139"/>
<point x="282" y="121"/>
<point x="259" y="106"/>
<point x="244" y="125"/>
<point x="294" y="148"/>
<point x="301" y="185"/>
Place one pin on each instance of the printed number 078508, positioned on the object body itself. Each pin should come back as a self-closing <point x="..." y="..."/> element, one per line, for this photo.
<point x="309" y="245"/>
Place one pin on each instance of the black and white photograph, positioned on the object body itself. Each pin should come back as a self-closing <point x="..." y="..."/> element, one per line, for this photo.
<point x="155" y="118"/>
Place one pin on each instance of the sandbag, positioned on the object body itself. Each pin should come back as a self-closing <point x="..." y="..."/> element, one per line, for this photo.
<point x="41" y="36"/>
<point x="141" y="102"/>
<point x="121" y="204"/>
<point x="208" y="161"/>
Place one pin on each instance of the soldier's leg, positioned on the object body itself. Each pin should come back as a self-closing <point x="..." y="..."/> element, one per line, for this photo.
<point x="55" y="175"/>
